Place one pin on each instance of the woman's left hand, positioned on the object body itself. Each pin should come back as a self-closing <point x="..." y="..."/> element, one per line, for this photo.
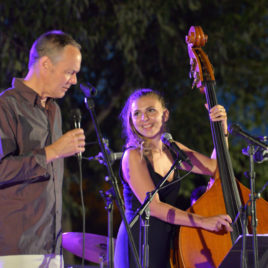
<point x="218" y="113"/>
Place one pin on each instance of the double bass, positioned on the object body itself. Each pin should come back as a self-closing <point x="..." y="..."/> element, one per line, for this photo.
<point x="197" y="247"/>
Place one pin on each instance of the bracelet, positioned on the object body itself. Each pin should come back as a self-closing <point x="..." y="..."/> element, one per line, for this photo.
<point x="226" y="134"/>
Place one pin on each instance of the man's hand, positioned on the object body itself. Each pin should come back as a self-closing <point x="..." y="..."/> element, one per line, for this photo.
<point x="70" y="143"/>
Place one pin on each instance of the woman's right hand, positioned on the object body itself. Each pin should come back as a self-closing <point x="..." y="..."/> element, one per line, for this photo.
<point x="217" y="223"/>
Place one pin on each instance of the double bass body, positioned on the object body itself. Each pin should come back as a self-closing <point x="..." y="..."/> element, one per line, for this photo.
<point x="199" y="248"/>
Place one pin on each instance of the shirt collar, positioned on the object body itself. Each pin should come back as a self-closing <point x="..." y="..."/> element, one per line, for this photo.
<point x="28" y="93"/>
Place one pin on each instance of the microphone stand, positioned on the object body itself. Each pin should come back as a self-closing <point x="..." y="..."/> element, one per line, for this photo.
<point x="112" y="179"/>
<point x="251" y="211"/>
<point x="144" y="256"/>
<point x="108" y="196"/>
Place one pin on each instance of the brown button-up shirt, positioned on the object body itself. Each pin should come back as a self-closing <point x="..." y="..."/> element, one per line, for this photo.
<point x="30" y="189"/>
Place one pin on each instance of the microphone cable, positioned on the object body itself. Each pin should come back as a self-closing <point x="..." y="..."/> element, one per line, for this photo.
<point x="76" y="114"/>
<point x="79" y="160"/>
<point x="177" y="180"/>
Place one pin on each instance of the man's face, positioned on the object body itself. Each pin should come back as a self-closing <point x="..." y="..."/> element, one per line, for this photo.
<point x="62" y="74"/>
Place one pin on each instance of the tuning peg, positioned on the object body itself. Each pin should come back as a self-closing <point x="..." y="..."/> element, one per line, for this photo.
<point x="196" y="80"/>
<point x="193" y="68"/>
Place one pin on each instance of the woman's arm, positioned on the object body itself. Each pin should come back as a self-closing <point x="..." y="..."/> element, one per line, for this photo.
<point x="201" y="163"/>
<point x="136" y="174"/>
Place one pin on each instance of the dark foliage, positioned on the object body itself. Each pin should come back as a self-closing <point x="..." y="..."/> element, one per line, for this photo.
<point x="132" y="44"/>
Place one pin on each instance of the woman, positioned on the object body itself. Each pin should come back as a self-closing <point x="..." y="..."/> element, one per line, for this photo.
<point x="144" y="164"/>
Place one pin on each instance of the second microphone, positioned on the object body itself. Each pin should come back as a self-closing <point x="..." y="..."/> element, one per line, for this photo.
<point x="169" y="142"/>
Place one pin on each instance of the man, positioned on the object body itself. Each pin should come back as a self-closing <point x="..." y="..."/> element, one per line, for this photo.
<point x="32" y="149"/>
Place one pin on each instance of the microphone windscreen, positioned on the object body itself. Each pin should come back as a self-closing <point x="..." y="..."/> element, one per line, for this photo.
<point x="88" y="90"/>
<point x="76" y="115"/>
<point x="166" y="136"/>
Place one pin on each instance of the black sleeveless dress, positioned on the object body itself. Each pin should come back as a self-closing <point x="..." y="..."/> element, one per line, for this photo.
<point x="160" y="233"/>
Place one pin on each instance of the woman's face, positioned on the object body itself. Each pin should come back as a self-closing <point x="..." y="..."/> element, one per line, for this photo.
<point x="148" y="116"/>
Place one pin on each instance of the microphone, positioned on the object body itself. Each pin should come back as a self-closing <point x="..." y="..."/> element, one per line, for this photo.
<point x="76" y="115"/>
<point x="168" y="141"/>
<point x="88" y="90"/>
<point x="115" y="156"/>
<point x="99" y="157"/>
<point x="236" y="130"/>
<point x="112" y="157"/>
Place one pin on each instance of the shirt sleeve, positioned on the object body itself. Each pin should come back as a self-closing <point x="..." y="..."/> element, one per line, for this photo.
<point x="14" y="166"/>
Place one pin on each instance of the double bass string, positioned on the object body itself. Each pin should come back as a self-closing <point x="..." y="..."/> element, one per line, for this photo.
<point x="228" y="181"/>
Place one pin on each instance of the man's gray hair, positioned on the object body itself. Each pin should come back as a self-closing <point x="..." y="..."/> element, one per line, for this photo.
<point x="50" y="44"/>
